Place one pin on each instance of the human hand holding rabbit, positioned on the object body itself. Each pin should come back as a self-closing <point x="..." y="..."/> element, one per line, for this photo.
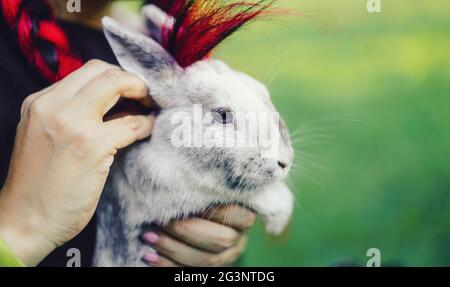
<point x="62" y="156"/>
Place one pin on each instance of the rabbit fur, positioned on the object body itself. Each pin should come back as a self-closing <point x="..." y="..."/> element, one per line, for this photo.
<point x="153" y="182"/>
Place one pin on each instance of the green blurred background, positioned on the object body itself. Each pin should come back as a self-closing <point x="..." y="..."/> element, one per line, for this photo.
<point x="367" y="97"/>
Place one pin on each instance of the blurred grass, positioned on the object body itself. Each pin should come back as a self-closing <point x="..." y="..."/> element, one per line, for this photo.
<point x="368" y="95"/>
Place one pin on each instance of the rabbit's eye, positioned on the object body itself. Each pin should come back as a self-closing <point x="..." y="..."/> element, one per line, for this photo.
<point x="222" y="115"/>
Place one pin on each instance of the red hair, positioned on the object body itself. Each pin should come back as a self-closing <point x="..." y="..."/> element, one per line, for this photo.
<point x="200" y="25"/>
<point x="40" y="38"/>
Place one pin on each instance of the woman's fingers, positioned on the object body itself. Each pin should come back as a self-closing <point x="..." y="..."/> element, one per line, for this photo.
<point x="155" y="260"/>
<point x="61" y="92"/>
<point x="95" y="87"/>
<point x="203" y="234"/>
<point x="78" y="79"/>
<point x="122" y="132"/>
<point x="209" y="241"/>
<point x="230" y="255"/>
<point x="234" y="215"/>
<point x="187" y="255"/>
<point x="31" y="98"/>
<point x="180" y="252"/>
<point x="103" y="92"/>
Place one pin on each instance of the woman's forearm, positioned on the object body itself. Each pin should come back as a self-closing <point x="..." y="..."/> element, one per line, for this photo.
<point x="21" y="233"/>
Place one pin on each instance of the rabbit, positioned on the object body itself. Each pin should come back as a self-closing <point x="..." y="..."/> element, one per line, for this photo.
<point x="154" y="182"/>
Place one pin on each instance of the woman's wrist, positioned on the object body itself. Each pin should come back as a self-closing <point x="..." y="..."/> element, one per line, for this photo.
<point x="22" y="233"/>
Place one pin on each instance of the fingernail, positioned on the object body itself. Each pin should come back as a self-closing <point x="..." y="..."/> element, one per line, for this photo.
<point x="150" y="237"/>
<point x="151" y="257"/>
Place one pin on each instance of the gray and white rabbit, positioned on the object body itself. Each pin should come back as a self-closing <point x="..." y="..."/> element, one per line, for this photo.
<point x="154" y="182"/>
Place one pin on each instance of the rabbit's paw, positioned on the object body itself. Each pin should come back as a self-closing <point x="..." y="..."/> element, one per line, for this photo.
<point x="275" y="205"/>
<point x="276" y="222"/>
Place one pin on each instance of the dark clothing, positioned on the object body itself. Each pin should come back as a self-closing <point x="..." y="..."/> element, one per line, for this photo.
<point x="18" y="79"/>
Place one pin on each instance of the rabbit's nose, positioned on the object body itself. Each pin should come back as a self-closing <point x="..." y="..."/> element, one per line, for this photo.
<point x="282" y="164"/>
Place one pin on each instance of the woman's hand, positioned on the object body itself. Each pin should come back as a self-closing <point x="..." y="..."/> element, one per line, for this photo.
<point x="217" y="239"/>
<point x="62" y="155"/>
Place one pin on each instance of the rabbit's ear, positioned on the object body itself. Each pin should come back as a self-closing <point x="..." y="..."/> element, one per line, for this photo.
<point x="142" y="56"/>
<point x="156" y="20"/>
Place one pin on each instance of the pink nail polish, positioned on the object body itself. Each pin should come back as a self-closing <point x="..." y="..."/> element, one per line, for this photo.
<point x="150" y="237"/>
<point x="151" y="257"/>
